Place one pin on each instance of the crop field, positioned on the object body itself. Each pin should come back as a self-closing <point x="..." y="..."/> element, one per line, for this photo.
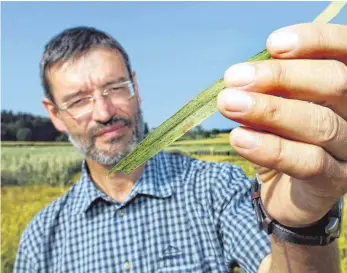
<point x="18" y="205"/>
<point x="219" y="139"/>
<point x="31" y="177"/>
<point x="210" y="148"/>
<point x="39" y="165"/>
<point x="33" y="143"/>
<point x="217" y="144"/>
<point x="35" y="176"/>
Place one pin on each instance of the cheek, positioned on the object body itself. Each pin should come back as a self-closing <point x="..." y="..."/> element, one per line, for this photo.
<point x="124" y="110"/>
<point x="80" y="127"/>
<point x="129" y="112"/>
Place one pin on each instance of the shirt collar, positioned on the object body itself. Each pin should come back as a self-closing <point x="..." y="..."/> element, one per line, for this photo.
<point x="154" y="181"/>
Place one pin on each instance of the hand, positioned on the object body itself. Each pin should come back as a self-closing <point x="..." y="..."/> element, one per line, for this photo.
<point x="295" y="111"/>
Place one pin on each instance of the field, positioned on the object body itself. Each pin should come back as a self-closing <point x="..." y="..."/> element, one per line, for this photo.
<point x="35" y="176"/>
<point x="19" y="204"/>
<point x="38" y="165"/>
<point x="33" y="143"/>
<point x="217" y="144"/>
<point x="31" y="177"/>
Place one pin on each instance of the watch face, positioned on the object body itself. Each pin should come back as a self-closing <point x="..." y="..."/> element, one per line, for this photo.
<point x="333" y="227"/>
<point x="341" y="205"/>
<point x="258" y="178"/>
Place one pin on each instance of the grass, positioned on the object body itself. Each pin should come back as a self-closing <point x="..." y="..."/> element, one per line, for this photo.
<point x="219" y="139"/>
<point x="39" y="165"/>
<point x="19" y="204"/>
<point x="33" y="143"/>
<point x="211" y="148"/>
<point x="220" y="143"/>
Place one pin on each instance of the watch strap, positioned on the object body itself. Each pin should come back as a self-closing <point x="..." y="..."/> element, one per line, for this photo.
<point x="321" y="233"/>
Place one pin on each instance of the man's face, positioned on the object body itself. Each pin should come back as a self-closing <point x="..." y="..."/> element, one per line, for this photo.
<point x="111" y="130"/>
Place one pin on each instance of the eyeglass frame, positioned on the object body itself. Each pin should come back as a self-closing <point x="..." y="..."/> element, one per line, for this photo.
<point x="92" y="98"/>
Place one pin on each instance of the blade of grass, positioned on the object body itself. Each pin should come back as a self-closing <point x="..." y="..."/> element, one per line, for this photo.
<point x="193" y="113"/>
<point x="330" y="12"/>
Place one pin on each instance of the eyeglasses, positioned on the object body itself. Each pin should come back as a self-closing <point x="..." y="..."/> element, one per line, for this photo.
<point x="118" y="94"/>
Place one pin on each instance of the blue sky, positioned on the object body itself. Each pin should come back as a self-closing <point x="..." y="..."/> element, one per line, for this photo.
<point x="176" y="48"/>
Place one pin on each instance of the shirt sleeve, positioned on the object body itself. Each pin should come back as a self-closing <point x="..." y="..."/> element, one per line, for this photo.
<point x="25" y="262"/>
<point x="243" y="242"/>
<point x="27" y="258"/>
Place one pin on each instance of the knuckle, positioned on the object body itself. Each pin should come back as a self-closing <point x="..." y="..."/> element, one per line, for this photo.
<point x="321" y="39"/>
<point x="328" y="127"/>
<point x="279" y="155"/>
<point x="279" y="74"/>
<point x="340" y="79"/>
<point x="271" y="110"/>
<point x="317" y="163"/>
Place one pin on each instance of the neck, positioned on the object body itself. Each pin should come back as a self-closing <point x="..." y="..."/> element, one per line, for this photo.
<point x="119" y="185"/>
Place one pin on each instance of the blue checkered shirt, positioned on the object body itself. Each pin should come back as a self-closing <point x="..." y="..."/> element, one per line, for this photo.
<point x="182" y="215"/>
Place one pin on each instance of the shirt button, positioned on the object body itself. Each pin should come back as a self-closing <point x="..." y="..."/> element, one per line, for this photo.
<point x="127" y="265"/>
<point x="122" y="212"/>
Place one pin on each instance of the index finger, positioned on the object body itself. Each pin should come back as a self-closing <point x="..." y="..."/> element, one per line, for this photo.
<point x="309" y="41"/>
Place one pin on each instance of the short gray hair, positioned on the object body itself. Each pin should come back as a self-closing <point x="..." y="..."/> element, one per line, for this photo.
<point x="72" y="43"/>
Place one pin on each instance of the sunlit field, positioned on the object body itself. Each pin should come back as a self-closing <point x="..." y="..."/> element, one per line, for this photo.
<point x="19" y="204"/>
<point x="35" y="176"/>
<point x="33" y="165"/>
<point x="31" y="177"/>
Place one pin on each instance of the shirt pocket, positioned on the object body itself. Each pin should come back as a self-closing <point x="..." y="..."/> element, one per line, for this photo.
<point x="175" y="259"/>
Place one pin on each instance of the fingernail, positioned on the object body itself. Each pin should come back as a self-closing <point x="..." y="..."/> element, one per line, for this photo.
<point x="235" y="100"/>
<point x="240" y="74"/>
<point x="243" y="139"/>
<point x="283" y="41"/>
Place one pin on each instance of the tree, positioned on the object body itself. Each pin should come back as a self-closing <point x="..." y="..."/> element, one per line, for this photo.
<point x="41" y="128"/>
<point x="24" y="134"/>
<point x="198" y="130"/>
<point x="6" y="133"/>
<point x="146" y="130"/>
<point x="62" y="138"/>
<point x="206" y="134"/>
<point x="22" y="123"/>
<point x="215" y="131"/>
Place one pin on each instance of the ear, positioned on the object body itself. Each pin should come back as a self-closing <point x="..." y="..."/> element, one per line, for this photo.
<point x="136" y="87"/>
<point x="54" y="115"/>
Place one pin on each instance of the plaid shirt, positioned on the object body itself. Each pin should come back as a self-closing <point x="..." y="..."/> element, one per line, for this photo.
<point x="182" y="215"/>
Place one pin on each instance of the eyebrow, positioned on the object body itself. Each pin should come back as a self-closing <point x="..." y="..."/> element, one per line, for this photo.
<point x="68" y="97"/>
<point x="79" y="92"/>
<point x="118" y="80"/>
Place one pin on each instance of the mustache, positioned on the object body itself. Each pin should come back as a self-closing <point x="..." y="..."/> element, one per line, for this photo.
<point x="114" y="120"/>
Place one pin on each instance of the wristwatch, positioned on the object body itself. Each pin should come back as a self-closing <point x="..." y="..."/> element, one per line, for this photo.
<point x="324" y="232"/>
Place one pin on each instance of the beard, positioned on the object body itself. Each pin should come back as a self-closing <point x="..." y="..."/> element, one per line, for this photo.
<point x="119" y="146"/>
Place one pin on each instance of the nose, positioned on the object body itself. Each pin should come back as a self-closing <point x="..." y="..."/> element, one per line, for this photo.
<point x="103" y="109"/>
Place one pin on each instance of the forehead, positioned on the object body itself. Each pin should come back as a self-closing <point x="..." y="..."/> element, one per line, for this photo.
<point x="86" y="72"/>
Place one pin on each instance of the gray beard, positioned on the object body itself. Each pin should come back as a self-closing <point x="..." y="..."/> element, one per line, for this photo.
<point x="86" y="145"/>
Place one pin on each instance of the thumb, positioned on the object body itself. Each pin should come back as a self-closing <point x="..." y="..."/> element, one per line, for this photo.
<point x="265" y="174"/>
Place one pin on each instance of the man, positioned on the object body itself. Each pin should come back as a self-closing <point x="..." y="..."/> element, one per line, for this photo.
<point x="178" y="214"/>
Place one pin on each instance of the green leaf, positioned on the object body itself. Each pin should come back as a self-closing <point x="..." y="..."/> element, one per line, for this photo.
<point x="330" y="12"/>
<point x="193" y="113"/>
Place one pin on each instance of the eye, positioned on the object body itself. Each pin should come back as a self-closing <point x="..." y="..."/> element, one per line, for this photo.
<point x="80" y="102"/>
<point x="116" y="88"/>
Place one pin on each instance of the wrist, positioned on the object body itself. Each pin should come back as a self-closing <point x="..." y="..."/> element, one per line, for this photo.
<point x="323" y="232"/>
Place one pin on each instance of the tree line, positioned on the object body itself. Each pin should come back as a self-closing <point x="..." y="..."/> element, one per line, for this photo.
<point x="28" y="127"/>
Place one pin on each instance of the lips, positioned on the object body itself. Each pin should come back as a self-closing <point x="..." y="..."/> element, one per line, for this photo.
<point x="111" y="129"/>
